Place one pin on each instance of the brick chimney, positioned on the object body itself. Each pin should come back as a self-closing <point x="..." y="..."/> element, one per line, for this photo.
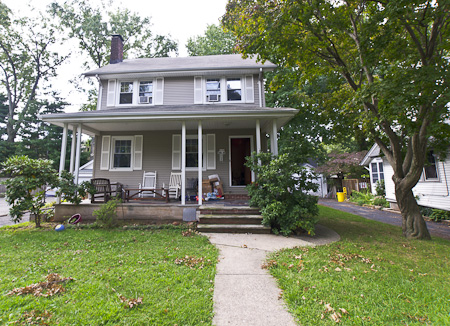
<point x="116" y="49"/>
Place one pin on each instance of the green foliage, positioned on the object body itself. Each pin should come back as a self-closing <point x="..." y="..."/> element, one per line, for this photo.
<point x="380" y="188"/>
<point x="106" y="215"/>
<point x="92" y="26"/>
<point x="377" y="68"/>
<point x="283" y="200"/>
<point x="373" y="273"/>
<point x="26" y="61"/>
<point x="215" y="41"/>
<point x="439" y="215"/>
<point x="366" y="198"/>
<point x="25" y="189"/>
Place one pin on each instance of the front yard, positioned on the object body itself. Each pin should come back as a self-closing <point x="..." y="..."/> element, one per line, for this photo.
<point x="120" y="277"/>
<point x="373" y="276"/>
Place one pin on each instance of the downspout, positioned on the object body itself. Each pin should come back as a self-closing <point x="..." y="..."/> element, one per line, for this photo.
<point x="445" y="176"/>
<point x="260" y="84"/>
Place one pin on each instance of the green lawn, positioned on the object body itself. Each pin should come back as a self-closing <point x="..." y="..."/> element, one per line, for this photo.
<point x="373" y="274"/>
<point x="172" y="273"/>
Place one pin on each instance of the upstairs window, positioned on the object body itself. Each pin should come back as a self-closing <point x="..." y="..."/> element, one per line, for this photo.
<point x="430" y="170"/>
<point x="234" y="89"/>
<point x="126" y="93"/>
<point x="145" y="92"/>
<point x="213" y="90"/>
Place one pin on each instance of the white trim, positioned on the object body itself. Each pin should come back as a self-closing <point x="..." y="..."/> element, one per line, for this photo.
<point x="229" y="158"/>
<point x="200" y="161"/>
<point x="73" y="148"/>
<point x="274" y="137"/>
<point x="111" y="154"/>
<point x="78" y="154"/>
<point x="138" y="152"/>
<point x="104" y="152"/>
<point x="183" y="163"/>
<point x="111" y="94"/>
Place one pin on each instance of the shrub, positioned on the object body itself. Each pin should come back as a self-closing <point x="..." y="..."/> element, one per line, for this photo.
<point x="106" y="215"/>
<point x="282" y="198"/>
<point x="439" y="215"/>
<point x="380" y="201"/>
<point x="425" y="211"/>
<point x="380" y="188"/>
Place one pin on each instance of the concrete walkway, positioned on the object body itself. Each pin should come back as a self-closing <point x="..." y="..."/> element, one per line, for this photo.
<point x="246" y="294"/>
<point x="5" y="219"/>
<point x="436" y="229"/>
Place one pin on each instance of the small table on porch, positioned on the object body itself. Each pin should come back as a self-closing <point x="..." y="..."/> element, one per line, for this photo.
<point x="160" y="193"/>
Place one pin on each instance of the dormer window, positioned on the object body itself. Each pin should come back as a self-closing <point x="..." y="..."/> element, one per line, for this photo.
<point x="234" y="89"/>
<point x="126" y="93"/>
<point x="145" y="92"/>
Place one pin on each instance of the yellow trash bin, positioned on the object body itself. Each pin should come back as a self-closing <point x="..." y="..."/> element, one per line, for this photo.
<point x="340" y="196"/>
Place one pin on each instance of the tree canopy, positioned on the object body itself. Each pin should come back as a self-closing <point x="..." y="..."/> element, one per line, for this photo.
<point x="215" y="41"/>
<point x="386" y="64"/>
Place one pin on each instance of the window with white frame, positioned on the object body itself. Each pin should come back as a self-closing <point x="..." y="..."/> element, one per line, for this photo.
<point x="377" y="171"/>
<point x="430" y="171"/>
<point x="145" y="92"/>
<point x="208" y="152"/>
<point x="121" y="152"/>
<point x="126" y="93"/>
<point x="213" y="90"/>
<point x="234" y="89"/>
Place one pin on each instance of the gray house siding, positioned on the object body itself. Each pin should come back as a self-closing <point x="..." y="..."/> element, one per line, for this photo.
<point x="177" y="91"/>
<point x="157" y="156"/>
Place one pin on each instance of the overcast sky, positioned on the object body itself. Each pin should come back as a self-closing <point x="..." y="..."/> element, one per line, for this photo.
<point x="181" y="19"/>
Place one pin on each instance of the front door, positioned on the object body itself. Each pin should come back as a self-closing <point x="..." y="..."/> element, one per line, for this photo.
<point x="240" y="148"/>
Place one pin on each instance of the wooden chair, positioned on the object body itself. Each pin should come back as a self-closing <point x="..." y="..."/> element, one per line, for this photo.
<point x="174" y="185"/>
<point x="105" y="190"/>
<point x="148" y="182"/>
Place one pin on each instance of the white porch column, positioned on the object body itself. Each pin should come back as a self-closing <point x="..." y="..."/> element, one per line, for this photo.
<point x="78" y="154"/>
<point x="200" y="161"/>
<point x="274" y="139"/>
<point x="62" y="159"/>
<point x="73" y="148"/>
<point x="258" y="136"/>
<point x="183" y="163"/>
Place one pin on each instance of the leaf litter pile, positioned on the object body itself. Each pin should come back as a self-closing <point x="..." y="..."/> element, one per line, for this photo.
<point x="192" y="262"/>
<point x="52" y="286"/>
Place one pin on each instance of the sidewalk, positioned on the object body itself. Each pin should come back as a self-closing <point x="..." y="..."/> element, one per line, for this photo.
<point x="436" y="229"/>
<point x="5" y="219"/>
<point x="246" y="294"/>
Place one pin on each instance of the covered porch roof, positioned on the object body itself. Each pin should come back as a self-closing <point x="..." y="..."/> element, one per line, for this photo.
<point x="213" y="116"/>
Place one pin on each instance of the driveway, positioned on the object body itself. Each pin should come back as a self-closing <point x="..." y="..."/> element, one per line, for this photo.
<point x="5" y="219"/>
<point x="436" y="229"/>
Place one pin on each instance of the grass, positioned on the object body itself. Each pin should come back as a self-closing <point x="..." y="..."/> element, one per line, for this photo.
<point x="373" y="274"/>
<point x="172" y="273"/>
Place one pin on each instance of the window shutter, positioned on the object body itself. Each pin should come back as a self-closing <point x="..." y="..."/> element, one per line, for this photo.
<point x="176" y="152"/>
<point x="198" y="90"/>
<point x="210" y="151"/>
<point x="104" y="156"/>
<point x="111" y="96"/>
<point x="138" y="145"/>
<point x="249" y="89"/>
<point x="158" y="91"/>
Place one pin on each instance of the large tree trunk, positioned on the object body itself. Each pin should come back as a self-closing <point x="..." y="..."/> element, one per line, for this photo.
<point x="413" y="224"/>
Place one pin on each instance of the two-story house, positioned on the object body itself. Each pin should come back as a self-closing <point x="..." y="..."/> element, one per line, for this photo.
<point x="194" y="115"/>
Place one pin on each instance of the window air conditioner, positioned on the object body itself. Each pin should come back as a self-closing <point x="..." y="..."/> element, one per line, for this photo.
<point x="213" y="98"/>
<point x="145" y="99"/>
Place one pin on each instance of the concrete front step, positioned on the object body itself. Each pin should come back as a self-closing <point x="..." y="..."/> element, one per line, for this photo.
<point x="230" y="219"/>
<point x="220" y="210"/>
<point x="233" y="228"/>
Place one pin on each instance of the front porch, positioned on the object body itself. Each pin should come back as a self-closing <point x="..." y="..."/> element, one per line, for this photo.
<point x="149" y="211"/>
